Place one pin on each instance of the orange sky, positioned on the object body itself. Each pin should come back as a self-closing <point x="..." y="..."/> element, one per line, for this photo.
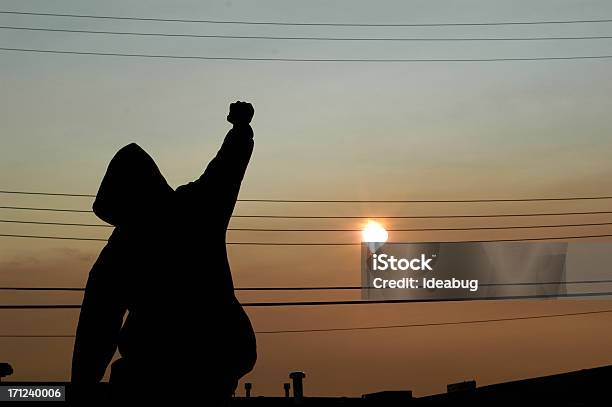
<point x="350" y="363"/>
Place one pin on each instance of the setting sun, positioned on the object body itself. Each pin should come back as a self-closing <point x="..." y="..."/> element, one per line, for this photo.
<point x="374" y="232"/>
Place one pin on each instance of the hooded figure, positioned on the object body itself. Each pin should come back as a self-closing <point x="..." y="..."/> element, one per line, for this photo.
<point x="166" y="266"/>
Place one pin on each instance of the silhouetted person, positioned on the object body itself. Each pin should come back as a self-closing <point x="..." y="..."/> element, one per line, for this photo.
<point x="166" y="265"/>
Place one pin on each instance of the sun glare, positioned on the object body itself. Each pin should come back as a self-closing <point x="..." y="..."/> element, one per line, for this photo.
<point x="374" y="232"/>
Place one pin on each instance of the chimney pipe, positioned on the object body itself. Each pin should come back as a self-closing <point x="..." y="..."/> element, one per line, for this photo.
<point x="248" y="387"/>
<point x="286" y="386"/>
<point x="298" y="388"/>
<point x="5" y="370"/>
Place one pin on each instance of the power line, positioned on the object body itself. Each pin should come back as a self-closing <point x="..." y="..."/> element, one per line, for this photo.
<point x="338" y="230"/>
<point x="363" y="328"/>
<point x="407" y="301"/>
<point x="95" y="239"/>
<point x="318" y="243"/>
<point x="55" y="223"/>
<point x="44" y="306"/>
<point x="474" y="321"/>
<point x="529" y="199"/>
<point x="45" y="193"/>
<point x="299" y="38"/>
<point x="425" y="229"/>
<point x="36" y="336"/>
<point x="323" y="288"/>
<point x="42" y="288"/>
<point x="255" y="59"/>
<point x="349" y="217"/>
<point x="329" y="24"/>
<point x="342" y="302"/>
<point x="421" y="216"/>
<point x="47" y="209"/>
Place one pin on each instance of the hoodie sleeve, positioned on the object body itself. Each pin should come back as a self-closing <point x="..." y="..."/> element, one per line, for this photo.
<point x="218" y="187"/>
<point x="100" y="320"/>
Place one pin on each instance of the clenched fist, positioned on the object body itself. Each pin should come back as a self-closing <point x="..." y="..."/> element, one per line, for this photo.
<point x="240" y="113"/>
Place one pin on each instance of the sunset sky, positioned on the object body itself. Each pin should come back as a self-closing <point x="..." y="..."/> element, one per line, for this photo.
<point x="323" y="130"/>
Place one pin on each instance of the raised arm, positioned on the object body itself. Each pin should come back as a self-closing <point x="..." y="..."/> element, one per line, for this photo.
<point x="218" y="187"/>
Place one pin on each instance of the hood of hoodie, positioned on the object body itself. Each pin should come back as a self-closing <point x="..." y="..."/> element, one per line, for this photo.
<point x="133" y="190"/>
